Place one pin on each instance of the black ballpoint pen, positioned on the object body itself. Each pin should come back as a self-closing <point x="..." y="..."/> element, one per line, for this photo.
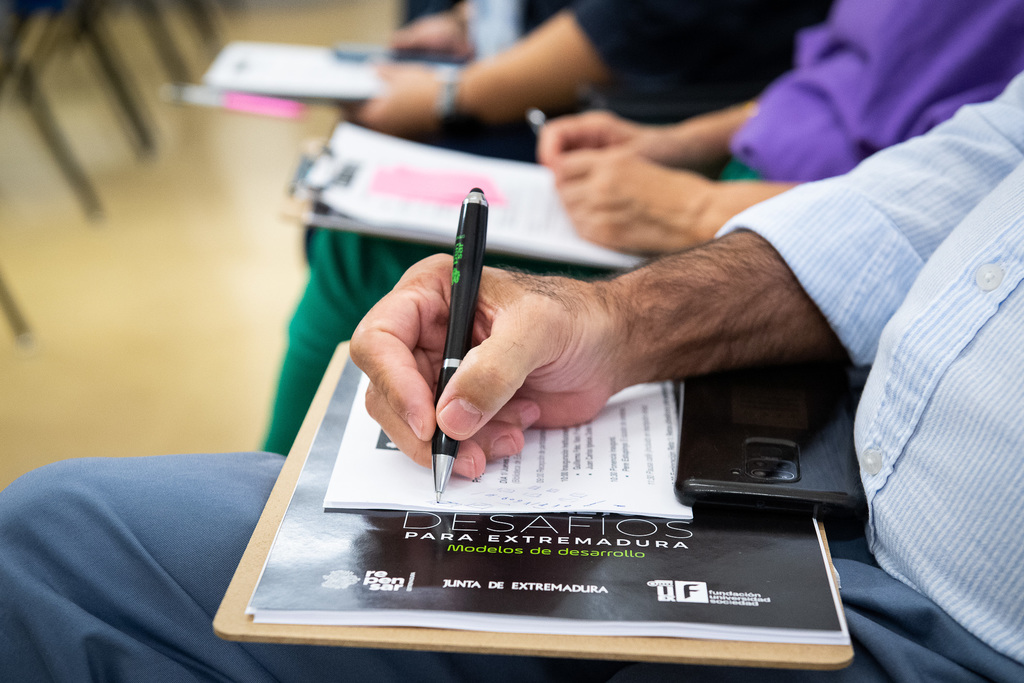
<point x="467" y="266"/>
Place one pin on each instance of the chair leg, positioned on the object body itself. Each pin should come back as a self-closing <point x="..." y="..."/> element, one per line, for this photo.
<point x="160" y="34"/>
<point x="204" y="19"/>
<point x="91" y="28"/>
<point x="44" y="120"/>
<point x="23" y="336"/>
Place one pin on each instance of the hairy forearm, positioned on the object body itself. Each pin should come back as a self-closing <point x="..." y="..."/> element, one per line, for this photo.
<point x="727" y="304"/>
<point x="545" y="69"/>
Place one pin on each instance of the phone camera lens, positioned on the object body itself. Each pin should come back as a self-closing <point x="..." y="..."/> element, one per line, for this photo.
<point x="771" y="470"/>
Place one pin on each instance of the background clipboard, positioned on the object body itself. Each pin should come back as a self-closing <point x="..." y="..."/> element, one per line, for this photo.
<point x="232" y="623"/>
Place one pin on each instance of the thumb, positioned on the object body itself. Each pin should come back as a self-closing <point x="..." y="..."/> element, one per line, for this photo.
<point x="489" y="376"/>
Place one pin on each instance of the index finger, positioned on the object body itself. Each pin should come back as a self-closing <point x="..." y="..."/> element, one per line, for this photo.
<point x="591" y="130"/>
<point x="575" y="166"/>
<point x="556" y="138"/>
<point x="409" y="320"/>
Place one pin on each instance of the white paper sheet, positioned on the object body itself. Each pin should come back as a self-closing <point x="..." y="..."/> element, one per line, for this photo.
<point x="299" y="71"/>
<point x="623" y="461"/>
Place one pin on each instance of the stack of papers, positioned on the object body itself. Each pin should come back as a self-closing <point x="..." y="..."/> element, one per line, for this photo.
<point x="621" y="461"/>
<point x="305" y="72"/>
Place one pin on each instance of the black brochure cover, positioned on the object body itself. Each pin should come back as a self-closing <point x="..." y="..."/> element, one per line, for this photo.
<point x="730" y="575"/>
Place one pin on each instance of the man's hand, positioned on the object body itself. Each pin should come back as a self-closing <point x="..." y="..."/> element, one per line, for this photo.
<point x="544" y="358"/>
<point x="407" y="108"/>
<point x="552" y="350"/>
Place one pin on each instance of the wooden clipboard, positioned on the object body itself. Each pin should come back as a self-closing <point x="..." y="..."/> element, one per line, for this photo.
<point x="232" y="623"/>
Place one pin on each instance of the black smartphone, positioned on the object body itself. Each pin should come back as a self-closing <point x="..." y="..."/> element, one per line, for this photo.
<point x="774" y="438"/>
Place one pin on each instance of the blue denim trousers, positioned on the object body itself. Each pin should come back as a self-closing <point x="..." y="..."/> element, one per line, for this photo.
<point x="112" y="569"/>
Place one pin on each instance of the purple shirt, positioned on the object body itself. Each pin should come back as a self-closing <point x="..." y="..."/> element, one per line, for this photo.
<point x="876" y="73"/>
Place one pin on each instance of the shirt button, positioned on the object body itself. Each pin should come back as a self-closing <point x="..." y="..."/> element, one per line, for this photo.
<point x="871" y="461"/>
<point x="988" y="277"/>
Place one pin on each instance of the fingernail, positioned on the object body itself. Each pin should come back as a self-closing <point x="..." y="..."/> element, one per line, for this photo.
<point x="416" y="424"/>
<point x="503" y="447"/>
<point x="461" y="418"/>
<point x="464" y="468"/>
<point x="529" y="414"/>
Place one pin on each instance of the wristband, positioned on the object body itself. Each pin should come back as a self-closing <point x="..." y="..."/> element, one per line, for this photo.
<point x="452" y="121"/>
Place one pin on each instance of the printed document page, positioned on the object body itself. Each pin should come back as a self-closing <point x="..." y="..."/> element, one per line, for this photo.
<point x="385" y="185"/>
<point x="623" y="461"/>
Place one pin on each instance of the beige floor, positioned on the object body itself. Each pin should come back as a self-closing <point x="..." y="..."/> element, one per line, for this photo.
<point x="160" y="328"/>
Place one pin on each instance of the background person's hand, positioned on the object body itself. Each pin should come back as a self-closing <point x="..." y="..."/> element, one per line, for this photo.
<point x="408" y="106"/>
<point x="620" y="200"/>
<point x="700" y="143"/>
<point x="445" y="33"/>
<point x="545" y="357"/>
<point x="590" y="130"/>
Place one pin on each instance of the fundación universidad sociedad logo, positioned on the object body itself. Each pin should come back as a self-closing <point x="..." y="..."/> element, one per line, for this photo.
<point x="697" y="591"/>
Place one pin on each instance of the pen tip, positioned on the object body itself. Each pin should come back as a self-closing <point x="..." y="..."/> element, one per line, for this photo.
<point x="477" y="189"/>
<point x="437" y="495"/>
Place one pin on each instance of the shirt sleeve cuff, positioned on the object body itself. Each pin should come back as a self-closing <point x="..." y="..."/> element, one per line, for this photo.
<point x="849" y="257"/>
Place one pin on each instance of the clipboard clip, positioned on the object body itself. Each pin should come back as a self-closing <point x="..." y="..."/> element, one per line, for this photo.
<point x="299" y="185"/>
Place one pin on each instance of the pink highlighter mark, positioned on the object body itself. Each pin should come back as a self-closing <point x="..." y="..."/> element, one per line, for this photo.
<point x="267" y="106"/>
<point x="436" y="187"/>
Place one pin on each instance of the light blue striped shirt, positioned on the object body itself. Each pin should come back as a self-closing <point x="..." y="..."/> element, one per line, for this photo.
<point x="916" y="259"/>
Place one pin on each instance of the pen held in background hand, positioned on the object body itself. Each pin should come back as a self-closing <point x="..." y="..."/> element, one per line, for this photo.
<point x="467" y="266"/>
<point x="536" y="118"/>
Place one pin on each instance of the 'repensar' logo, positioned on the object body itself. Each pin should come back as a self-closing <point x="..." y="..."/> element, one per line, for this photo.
<point x="377" y="580"/>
